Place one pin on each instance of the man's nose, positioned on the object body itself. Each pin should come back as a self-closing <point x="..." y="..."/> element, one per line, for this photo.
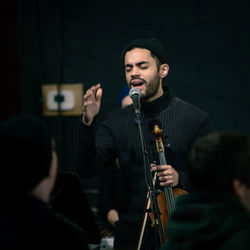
<point x="135" y="72"/>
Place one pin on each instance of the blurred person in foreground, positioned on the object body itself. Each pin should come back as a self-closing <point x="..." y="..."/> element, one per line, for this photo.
<point x="216" y="213"/>
<point x="28" y="174"/>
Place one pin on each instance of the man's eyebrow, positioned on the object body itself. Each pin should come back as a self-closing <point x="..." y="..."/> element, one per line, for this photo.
<point x="137" y="64"/>
<point x="128" y="65"/>
<point x="140" y="63"/>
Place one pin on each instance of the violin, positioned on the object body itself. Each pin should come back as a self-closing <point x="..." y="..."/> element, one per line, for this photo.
<point x="166" y="199"/>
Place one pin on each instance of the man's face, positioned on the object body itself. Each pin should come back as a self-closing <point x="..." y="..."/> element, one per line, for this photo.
<point x="142" y="73"/>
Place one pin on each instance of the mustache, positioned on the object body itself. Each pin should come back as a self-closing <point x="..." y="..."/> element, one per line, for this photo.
<point x="137" y="78"/>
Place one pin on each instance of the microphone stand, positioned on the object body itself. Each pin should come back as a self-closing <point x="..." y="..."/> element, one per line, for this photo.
<point x="152" y="193"/>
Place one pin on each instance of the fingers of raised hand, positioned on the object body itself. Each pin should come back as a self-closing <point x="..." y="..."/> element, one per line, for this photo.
<point x="90" y="95"/>
<point x="91" y="92"/>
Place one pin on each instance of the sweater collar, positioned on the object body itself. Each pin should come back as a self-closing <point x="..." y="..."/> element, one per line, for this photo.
<point x="155" y="107"/>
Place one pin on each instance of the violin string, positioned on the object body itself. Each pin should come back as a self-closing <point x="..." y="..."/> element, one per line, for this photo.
<point x="168" y="190"/>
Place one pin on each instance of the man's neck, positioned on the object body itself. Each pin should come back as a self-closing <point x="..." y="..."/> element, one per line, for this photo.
<point x="157" y="95"/>
<point x="155" y="107"/>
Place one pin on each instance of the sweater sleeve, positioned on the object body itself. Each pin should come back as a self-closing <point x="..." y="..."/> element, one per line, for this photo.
<point x="85" y="158"/>
<point x="95" y="149"/>
<point x="205" y="128"/>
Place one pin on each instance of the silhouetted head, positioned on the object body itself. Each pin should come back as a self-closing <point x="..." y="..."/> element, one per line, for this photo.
<point x="26" y="153"/>
<point x="218" y="159"/>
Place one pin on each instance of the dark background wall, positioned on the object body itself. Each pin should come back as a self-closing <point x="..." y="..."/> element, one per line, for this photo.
<point x="10" y="96"/>
<point x="81" y="41"/>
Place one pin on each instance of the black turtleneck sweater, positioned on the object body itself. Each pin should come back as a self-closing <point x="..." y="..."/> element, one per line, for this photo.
<point x="118" y="137"/>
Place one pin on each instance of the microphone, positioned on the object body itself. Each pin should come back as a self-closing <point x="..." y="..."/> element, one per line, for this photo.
<point x="135" y="95"/>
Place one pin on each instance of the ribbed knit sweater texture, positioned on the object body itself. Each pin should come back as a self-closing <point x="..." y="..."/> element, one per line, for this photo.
<point x="118" y="137"/>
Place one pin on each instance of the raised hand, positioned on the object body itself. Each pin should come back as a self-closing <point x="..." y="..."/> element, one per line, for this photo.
<point x="91" y="103"/>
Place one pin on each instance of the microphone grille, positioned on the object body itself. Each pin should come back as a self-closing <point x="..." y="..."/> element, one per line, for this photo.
<point x="134" y="91"/>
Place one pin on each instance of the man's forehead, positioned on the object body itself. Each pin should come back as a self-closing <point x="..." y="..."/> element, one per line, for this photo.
<point x="137" y="55"/>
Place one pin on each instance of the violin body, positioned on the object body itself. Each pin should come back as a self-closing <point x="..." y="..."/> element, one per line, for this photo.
<point x="162" y="203"/>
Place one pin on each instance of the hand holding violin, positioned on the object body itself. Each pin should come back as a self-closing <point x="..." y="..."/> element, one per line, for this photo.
<point x="167" y="175"/>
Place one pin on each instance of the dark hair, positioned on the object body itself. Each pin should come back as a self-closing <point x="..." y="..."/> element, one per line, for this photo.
<point x="26" y="151"/>
<point x="217" y="159"/>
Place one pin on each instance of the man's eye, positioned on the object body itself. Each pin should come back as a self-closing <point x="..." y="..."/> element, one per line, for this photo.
<point x="128" y="69"/>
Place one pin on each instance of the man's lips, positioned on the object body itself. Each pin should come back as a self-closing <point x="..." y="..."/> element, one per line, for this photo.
<point x="136" y="83"/>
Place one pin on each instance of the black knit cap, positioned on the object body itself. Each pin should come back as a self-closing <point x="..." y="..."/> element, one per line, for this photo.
<point x="152" y="44"/>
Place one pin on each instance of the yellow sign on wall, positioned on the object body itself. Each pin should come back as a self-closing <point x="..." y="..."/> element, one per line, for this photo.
<point x="63" y="99"/>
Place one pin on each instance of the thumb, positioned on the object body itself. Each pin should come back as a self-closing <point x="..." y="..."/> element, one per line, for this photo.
<point x="98" y="95"/>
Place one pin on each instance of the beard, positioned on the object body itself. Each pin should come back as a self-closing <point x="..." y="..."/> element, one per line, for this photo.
<point x="151" y="88"/>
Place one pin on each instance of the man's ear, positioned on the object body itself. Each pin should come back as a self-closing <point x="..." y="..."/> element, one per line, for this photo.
<point x="239" y="188"/>
<point x="164" y="70"/>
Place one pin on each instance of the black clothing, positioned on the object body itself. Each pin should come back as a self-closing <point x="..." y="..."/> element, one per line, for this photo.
<point x="118" y="137"/>
<point x="208" y="220"/>
<point x="151" y="44"/>
<point x="111" y="193"/>
<point x="30" y="224"/>
<point x="24" y="138"/>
